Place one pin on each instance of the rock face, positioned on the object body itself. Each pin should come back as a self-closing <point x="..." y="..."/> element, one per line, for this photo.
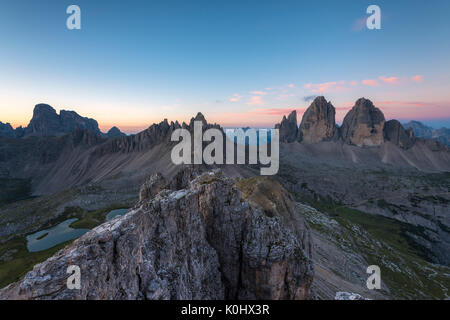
<point x="288" y="128"/>
<point x="46" y="122"/>
<point x="152" y="186"/>
<point x="318" y="122"/>
<point x="363" y="125"/>
<point x="203" y="241"/>
<point x="394" y="132"/>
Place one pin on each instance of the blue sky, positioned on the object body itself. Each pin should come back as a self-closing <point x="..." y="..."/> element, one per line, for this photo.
<point x="239" y="62"/>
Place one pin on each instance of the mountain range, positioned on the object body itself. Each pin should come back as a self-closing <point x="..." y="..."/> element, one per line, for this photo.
<point x="46" y="123"/>
<point x="420" y="130"/>
<point x="367" y="192"/>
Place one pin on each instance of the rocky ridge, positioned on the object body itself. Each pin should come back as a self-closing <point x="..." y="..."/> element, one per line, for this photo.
<point x="200" y="240"/>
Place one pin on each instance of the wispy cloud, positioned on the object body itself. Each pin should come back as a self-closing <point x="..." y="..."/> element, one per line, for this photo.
<point x="391" y="80"/>
<point x="326" y="86"/>
<point x="259" y="93"/>
<point x="236" y="97"/>
<point x="309" y="98"/>
<point x="255" y="100"/>
<point x="417" y="78"/>
<point x="275" y="111"/>
<point x="291" y="85"/>
<point x="370" y="82"/>
<point x="359" y="24"/>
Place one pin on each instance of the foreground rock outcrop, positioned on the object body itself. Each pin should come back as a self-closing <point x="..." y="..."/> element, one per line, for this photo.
<point x="200" y="241"/>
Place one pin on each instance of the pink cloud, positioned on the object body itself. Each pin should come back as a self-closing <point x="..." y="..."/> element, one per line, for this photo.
<point x="389" y="80"/>
<point x="236" y="97"/>
<point x="398" y="109"/>
<point x="326" y="86"/>
<point x="275" y="111"/>
<point x="255" y="100"/>
<point x="417" y="78"/>
<point x="390" y="103"/>
<point x="370" y="82"/>
<point x="291" y="85"/>
<point x="354" y="83"/>
<point x="359" y="24"/>
<point x="260" y="93"/>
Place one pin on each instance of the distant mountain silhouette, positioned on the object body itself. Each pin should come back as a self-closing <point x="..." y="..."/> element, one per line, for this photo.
<point x="422" y="131"/>
<point x="47" y="123"/>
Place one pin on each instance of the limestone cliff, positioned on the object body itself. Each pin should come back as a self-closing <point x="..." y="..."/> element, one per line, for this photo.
<point x="363" y="125"/>
<point x="318" y="122"/>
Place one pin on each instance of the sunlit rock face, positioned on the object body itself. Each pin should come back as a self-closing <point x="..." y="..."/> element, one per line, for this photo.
<point x="363" y="125"/>
<point x="318" y="122"/>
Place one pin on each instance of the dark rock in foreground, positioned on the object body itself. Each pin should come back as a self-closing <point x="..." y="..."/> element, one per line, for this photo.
<point x="202" y="241"/>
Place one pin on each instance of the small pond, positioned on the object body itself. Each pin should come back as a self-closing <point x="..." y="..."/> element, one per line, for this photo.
<point x="114" y="213"/>
<point x="48" y="238"/>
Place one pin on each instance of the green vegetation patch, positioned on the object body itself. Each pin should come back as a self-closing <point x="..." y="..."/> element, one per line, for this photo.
<point x="16" y="261"/>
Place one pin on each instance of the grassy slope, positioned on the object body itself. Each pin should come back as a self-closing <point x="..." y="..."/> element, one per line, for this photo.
<point x="384" y="242"/>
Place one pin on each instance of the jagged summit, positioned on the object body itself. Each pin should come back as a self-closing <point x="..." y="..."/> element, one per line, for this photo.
<point x="318" y="122"/>
<point x="288" y="128"/>
<point x="46" y="122"/>
<point x="363" y="125"/>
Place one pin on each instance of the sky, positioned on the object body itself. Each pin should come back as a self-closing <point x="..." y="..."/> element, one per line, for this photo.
<point x="240" y="63"/>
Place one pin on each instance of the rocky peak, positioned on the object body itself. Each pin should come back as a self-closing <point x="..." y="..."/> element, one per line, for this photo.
<point x="46" y="122"/>
<point x="318" y="122"/>
<point x="288" y="128"/>
<point x="201" y="242"/>
<point x="363" y="125"/>
<point x="115" y="132"/>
